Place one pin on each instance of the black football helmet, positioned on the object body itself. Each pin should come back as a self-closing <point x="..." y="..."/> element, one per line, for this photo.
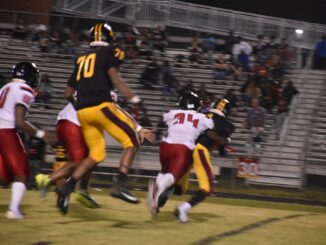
<point x="223" y="106"/>
<point x="101" y="35"/>
<point x="189" y="101"/>
<point x="28" y="72"/>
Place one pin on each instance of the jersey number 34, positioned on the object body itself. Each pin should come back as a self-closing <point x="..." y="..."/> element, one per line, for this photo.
<point x="180" y="119"/>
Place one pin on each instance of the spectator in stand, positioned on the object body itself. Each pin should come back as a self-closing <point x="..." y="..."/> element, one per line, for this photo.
<point x="188" y="87"/>
<point x="20" y="30"/>
<point x="271" y="43"/>
<point x="252" y="91"/>
<point x="194" y="56"/>
<point x="44" y="94"/>
<point x="130" y="40"/>
<point x="281" y="113"/>
<point x="146" y="43"/>
<point x="320" y="54"/>
<point x="160" y="39"/>
<point x="169" y="82"/>
<point x="208" y="47"/>
<point x="255" y="122"/>
<point x="259" y="45"/>
<point x="55" y="43"/>
<point x="220" y="68"/>
<point x="44" y="42"/>
<point x="150" y="75"/>
<point x="229" y="42"/>
<point x="289" y="91"/>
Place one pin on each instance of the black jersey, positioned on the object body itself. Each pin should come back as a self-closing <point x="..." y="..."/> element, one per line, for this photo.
<point x="90" y="77"/>
<point x="222" y="126"/>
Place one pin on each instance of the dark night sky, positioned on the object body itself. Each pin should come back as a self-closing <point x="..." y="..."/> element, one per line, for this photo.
<point x="305" y="10"/>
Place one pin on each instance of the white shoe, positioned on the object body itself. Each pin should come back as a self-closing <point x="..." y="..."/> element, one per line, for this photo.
<point x="181" y="215"/>
<point x="14" y="215"/>
<point x="152" y="199"/>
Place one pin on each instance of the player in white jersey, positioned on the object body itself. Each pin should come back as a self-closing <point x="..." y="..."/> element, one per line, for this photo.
<point x="70" y="136"/>
<point x="16" y="98"/>
<point x="184" y="127"/>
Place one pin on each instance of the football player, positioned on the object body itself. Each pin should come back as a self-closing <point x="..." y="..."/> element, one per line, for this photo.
<point x="16" y="98"/>
<point x="95" y="75"/>
<point x="184" y="127"/>
<point x="223" y="128"/>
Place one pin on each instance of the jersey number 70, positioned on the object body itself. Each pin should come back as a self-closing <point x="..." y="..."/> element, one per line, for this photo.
<point x="86" y="63"/>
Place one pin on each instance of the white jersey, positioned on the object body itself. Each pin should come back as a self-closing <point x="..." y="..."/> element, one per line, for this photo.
<point x="69" y="113"/>
<point x="12" y="94"/>
<point x="184" y="126"/>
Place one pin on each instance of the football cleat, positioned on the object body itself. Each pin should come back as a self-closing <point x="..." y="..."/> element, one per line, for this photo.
<point x="14" y="215"/>
<point x="181" y="215"/>
<point x="163" y="198"/>
<point x="84" y="198"/>
<point x="63" y="200"/>
<point x="119" y="190"/>
<point x="42" y="183"/>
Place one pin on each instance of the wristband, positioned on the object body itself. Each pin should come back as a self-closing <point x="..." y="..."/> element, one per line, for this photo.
<point x="40" y="133"/>
<point x="135" y="99"/>
<point x="228" y="140"/>
<point x="139" y="128"/>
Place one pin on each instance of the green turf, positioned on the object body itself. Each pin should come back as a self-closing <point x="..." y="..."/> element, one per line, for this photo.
<point x="217" y="221"/>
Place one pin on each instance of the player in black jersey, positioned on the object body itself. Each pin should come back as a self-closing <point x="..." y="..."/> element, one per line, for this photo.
<point x="223" y="128"/>
<point x="95" y="75"/>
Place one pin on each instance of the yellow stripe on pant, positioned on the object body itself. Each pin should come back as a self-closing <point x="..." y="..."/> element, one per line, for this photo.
<point x="106" y="116"/>
<point x="203" y="168"/>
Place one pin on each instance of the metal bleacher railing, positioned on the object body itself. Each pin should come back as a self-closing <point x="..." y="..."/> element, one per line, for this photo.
<point x="194" y="17"/>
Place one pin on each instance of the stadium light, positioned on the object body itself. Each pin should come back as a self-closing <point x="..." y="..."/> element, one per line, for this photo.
<point x="299" y="31"/>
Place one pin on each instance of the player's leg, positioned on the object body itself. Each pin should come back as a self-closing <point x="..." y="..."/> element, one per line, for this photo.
<point x="15" y="158"/>
<point x="123" y="129"/>
<point x="5" y="176"/>
<point x="204" y="172"/>
<point x="175" y="166"/>
<point x="95" y="142"/>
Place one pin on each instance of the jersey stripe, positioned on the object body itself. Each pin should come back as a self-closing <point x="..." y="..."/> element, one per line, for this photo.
<point x="28" y="90"/>
<point x="121" y="124"/>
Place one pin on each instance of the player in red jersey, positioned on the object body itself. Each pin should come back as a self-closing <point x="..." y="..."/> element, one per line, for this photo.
<point x="16" y="98"/>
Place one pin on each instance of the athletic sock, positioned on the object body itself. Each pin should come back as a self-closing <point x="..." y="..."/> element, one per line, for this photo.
<point x="198" y="197"/>
<point x="163" y="182"/>
<point x="122" y="177"/>
<point x="70" y="185"/>
<point x="185" y="206"/>
<point x="17" y="193"/>
<point x="84" y="184"/>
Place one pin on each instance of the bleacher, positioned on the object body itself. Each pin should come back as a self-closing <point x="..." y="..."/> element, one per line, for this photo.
<point x="278" y="165"/>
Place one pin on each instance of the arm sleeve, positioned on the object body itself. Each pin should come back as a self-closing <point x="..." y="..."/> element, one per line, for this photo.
<point x="113" y="58"/>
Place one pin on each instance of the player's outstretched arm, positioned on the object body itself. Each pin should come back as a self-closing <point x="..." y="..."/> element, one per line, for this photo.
<point x="29" y="129"/>
<point x="122" y="86"/>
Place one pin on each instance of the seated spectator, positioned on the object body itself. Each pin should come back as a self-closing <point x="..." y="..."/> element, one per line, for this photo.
<point x="45" y="91"/>
<point x="20" y="30"/>
<point x="55" y="43"/>
<point x="252" y="91"/>
<point x="159" y="39"/>
<point x="289" y="91"/>
<point x="150" y="75"/>
<point x="281" y="113"/>
<point x="255" y="122"/>
<point x="220" y="68"/>
<point x="44" y="42"/>
<point x="130" y="40"/>
<point x="194" y="56"/>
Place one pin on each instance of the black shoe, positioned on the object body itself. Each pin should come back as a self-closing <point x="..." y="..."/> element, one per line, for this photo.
<point x="63" y="201"/>
<point x="163" y="198"/>
<point x="119" y="190"/>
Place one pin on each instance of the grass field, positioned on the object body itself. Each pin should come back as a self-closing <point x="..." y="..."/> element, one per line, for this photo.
<point x="217" y="221"/>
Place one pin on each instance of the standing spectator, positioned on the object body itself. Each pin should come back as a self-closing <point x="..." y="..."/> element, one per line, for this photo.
<point x="282" y="111"/>
<point x="289" y="91"/>
<point x="259" y="45"/>
<point x="194" y="56"/>
<point x="45" y="91"/>
<point x="160" y="39"/>
<point x="220" y="68"/>
<point x="170" y="83"/>
<point x="229" y="42"/>
<point x="208" y="47"/>
<point x="36" y="152"/>
<point x="320" y="54"/>
<point x="255" y="122"/>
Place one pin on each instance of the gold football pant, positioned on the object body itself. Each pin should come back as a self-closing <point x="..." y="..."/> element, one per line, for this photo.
<point x="110" y="118"/>
<point x="203" y="170"/>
